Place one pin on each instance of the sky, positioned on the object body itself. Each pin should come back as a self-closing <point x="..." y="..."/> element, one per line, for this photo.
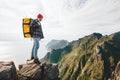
<point x="63" y="19"/>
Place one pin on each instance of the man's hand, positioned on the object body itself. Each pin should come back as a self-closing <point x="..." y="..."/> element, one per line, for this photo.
<point x="39" y="39"/>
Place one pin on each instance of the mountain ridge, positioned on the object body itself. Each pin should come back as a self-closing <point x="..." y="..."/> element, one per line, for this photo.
<point x="93" y="57"/>
<point x="56" y="44"/>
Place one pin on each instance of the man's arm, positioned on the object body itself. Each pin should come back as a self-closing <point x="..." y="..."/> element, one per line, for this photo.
<point x="41" y="32"/>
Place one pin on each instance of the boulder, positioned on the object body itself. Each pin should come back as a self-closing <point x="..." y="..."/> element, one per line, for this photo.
<point x="34" y="71"/>
<point x="8" y="71"/>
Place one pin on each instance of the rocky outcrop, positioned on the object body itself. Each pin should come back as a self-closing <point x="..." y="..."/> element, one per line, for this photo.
<point x="8" y="71"/>
<point x="43" y="71"/>
<point x="29" y="71"/>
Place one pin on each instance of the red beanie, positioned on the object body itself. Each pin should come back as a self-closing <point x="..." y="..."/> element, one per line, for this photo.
<point x="39" y="16"/>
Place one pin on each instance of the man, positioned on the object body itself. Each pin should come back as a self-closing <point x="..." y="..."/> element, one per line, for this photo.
<point x="37" y="35"/>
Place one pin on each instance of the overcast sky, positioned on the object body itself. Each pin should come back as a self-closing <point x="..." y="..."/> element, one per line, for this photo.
<point x="63" y="19"/>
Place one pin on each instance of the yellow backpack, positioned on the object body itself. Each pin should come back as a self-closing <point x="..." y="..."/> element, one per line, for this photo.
<point x="26" y="27"/>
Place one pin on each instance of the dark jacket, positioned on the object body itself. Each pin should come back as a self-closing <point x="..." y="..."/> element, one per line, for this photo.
<point x="36" y="29"/>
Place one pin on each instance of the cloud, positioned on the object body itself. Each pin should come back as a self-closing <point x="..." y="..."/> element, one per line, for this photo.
<point x="81" y="17"/>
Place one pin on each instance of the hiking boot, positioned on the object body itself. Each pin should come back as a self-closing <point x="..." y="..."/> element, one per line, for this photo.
<point x="36" y="60"/>
<point x="32" y="57"/>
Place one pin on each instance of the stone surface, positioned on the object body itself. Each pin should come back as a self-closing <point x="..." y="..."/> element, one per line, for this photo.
<point x="29" y="71"/>
<point x="33" y="71"/>
<point x="8" y="71"/>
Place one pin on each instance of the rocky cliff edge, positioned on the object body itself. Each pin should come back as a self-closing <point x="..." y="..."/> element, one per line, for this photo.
<point x="29" y="71"/>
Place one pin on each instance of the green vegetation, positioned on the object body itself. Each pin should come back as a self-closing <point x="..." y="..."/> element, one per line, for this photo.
<point x="93" y="57"/>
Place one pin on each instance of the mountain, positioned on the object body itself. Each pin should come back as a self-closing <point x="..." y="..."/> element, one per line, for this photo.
<point x="93" y="57"/>
<point x="56" y="53"/>
<point x="57" y="44"/>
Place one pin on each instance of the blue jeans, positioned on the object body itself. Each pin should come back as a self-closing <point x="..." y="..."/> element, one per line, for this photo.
<point x="35" y="47"/>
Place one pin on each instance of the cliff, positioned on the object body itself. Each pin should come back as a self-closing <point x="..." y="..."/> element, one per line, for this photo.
<point x="8" y="71"/>
<point x="29" y="71"/>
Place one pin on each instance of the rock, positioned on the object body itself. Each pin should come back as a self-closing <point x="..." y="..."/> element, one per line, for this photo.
<point x="8" y="71"/>
<point x="43" y="71"/>
<point x="51" y="72"/>
<point x="29" y="71"/>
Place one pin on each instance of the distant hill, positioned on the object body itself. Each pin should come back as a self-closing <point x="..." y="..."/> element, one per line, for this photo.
<point x="93" y="57"/>
<point x="57" y="44"/>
